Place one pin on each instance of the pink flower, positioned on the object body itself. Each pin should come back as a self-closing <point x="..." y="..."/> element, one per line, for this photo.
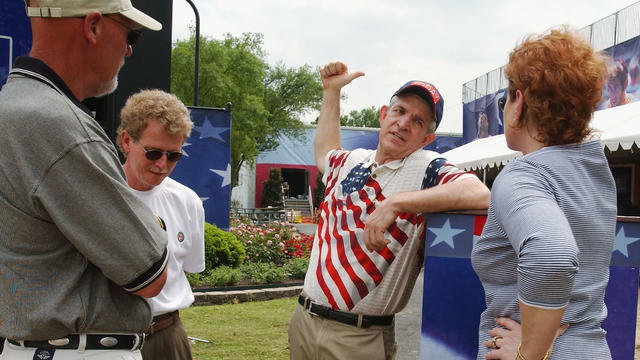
<point x="269" y="242"/>
<point x="277" y="236"/>
<point x="251" y="236"/>
<point x="249" y="242"/>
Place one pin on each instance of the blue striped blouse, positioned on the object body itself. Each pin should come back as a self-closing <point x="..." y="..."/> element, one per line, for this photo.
<point x="547" y="242"/>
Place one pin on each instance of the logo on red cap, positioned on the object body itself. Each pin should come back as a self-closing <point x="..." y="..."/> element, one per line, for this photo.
<point x="434" y="93"/>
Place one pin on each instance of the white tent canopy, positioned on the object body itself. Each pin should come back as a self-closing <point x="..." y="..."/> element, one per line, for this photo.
<point x="618" y="126"/>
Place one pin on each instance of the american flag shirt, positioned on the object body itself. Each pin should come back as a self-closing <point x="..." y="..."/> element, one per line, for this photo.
<point x="342" y="273"/>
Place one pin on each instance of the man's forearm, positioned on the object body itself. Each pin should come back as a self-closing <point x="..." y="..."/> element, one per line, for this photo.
<point x="327" y="135"/>
<point x="464" y="194"/>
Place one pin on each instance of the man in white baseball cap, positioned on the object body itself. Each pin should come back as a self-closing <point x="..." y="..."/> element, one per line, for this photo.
<point x="79" y="8"/>
<point x="79" y="252"/>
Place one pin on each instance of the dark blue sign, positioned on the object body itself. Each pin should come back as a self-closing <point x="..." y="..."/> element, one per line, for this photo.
<point x="15" y="35"/>
<point x="206" y="164"/>
<point x="481" y="117"/>
<point x="623" y="86"/>
<point x="444" y="143"/>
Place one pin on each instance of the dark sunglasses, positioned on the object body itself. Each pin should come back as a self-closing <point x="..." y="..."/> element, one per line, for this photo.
<point x="155" y="154"/>
<point x="132" y="35"/>
<point x="501" y="103"/>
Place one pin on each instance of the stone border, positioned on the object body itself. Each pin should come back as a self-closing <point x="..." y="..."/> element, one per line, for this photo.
<point x="238" y="296"/>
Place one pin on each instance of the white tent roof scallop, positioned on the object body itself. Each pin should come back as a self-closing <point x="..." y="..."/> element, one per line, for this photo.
<point x="616" y="127"/>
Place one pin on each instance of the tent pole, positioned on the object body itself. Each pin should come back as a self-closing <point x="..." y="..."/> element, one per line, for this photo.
<point x="484" y="175"/>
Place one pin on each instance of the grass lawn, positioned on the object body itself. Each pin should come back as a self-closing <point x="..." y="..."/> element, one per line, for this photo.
<point x="249" y="330"/>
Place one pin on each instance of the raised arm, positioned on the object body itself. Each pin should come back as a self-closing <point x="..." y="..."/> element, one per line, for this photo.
<point x="334" y="76"/>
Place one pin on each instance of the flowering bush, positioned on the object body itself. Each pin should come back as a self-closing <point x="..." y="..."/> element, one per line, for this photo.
<point x="299" y="246"/>
<point x="275" y="242"/>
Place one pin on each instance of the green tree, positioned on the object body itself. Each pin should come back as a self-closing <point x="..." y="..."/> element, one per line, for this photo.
<point x="266" y="100"/>
<point x="367" y="117"/>
<point x="289" y="93"/>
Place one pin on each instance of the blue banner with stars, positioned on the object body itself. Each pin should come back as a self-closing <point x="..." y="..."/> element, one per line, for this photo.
<point x="205" y="166"/>
<point x="453" y="297"/>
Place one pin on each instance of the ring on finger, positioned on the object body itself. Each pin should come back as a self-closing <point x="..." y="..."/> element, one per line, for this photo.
<point x="493" y="341"/>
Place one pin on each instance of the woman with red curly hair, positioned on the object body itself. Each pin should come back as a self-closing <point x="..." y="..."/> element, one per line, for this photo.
<point x="543" y="257"/>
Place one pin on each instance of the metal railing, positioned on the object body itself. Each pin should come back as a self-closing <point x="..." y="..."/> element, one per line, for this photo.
<point x="260" y="215"/>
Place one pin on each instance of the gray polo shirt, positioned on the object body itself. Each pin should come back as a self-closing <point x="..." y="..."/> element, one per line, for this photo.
<point x="74" y="240"/>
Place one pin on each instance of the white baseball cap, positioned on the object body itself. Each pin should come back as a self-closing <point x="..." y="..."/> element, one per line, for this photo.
<point x="76" y="8"/>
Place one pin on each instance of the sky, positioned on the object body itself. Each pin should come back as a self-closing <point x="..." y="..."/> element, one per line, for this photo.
<point x="446" y="43"/>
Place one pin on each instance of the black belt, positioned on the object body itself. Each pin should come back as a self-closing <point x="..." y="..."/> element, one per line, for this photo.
<point x="357" y="320"/>
<point x="93" y="342"/>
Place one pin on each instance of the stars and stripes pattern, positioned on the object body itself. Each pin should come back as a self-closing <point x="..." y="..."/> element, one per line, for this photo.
<point x="346" y="271"/>
<point x="356" y="179"/>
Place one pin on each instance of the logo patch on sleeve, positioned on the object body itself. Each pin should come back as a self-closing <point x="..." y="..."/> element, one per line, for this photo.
<point x="180" y="236"/>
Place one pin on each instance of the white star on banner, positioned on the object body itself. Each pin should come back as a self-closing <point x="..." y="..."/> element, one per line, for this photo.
<point x="622" y="241"/>
<point x="445" y="234"/>
<point x="225" y="174"/>
<point x="206" y="130"/>
<point x="184" y="153"/>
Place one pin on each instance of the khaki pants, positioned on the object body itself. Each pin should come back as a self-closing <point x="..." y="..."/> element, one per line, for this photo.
<point x="314" y="338"/>
<point x="169" y="344"/>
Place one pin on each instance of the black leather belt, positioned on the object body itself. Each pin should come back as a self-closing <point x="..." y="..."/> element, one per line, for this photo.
<point x="357" y="320"/>
<point x="93" y="342"/>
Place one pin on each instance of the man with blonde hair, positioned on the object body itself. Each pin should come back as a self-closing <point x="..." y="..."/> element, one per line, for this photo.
<point x="154" y="126"/>
<point x="72" y="279"/>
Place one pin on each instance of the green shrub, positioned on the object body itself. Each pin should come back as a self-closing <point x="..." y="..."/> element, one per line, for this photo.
<point x="196" y="280"/>
<point x="223" y="276"/>
<point x="263" y="273"/>
<point x="221" y="248"/>
<point x="256" y="273"/>
<point x="296" y="268"/>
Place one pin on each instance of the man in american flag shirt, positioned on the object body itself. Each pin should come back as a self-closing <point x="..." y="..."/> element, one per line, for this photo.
<point x="368" y="248"/>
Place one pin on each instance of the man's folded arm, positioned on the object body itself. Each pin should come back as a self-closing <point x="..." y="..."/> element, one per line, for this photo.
<point x="151" y="281"/>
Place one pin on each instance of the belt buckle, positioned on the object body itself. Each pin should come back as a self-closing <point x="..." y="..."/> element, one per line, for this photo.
<point x="309" y="309"/>
<point x="139" y="342"/>
<point x="363" y="322"/>
<point x="59" y="342"/>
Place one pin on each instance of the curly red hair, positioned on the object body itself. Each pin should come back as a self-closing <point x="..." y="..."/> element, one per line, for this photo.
<point x="561" y="79"/>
